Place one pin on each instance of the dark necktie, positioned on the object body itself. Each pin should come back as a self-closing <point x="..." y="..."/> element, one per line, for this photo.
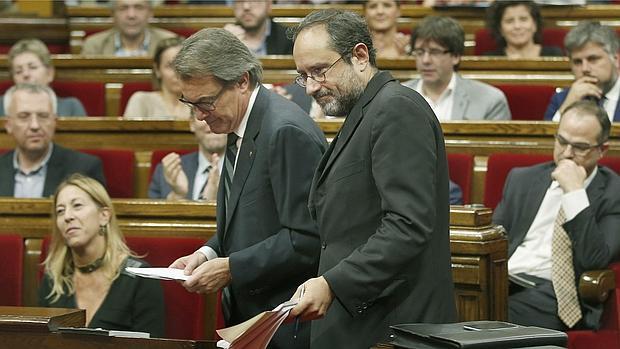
<point x="201" y="193"/>
<point x="229" y="165"/>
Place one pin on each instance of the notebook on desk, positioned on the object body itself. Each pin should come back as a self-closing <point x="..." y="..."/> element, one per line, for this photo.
<point x="474" y="335"/>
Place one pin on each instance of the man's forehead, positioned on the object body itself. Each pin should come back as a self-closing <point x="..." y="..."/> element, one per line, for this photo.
<point x="575" y="119"/>
<point x="197" y="87"/>
<point x="589" y="48"/>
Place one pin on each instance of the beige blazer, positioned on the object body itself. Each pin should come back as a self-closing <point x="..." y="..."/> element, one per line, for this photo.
<point x="103" y="43"/>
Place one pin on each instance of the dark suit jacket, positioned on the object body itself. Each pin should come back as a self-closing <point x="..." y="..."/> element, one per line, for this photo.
<point x="594" y="231"/>
<point x="159" y="188"/>
<point x="267" y="233"/>
<point x="558" y="98"/>
<point x="277" y="41"/>
<point x="380" y="198"/>
<point x="62" y="163"/>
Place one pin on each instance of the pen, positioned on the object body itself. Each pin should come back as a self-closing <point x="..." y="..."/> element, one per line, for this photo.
<point x="301" y="294"/>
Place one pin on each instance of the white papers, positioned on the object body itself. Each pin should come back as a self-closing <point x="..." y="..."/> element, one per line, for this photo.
<point x="159" y="273"/>
<point x="256" y="332"/>
<point x="103" y="332"/>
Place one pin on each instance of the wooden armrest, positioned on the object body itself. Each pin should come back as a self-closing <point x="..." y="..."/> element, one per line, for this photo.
<point x="595" y="285"/>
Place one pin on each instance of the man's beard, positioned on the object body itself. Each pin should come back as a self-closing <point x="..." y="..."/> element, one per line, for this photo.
<point x="341" y="103"/>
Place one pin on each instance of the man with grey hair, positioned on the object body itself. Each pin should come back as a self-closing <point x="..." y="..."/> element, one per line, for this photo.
<point x="594" y="55"/>
<point x="438" y="43"/>
<point x="131" y="35"/>
<point x="36" y="166"/>
<point x="379" y="195"/>
<point x="266" y="243"/>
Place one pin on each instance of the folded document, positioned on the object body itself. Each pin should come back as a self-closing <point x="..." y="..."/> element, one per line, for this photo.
<point x="256" y="332"/>
<point x="159" y="273"/>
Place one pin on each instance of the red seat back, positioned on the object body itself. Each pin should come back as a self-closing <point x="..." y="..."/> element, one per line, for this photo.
<point x="185" y="312"/>
<point x="157" y="155"/>
<point x="461" y="167"/>
<point x="118" y="169"/>
<point x="128" y="89"/>
<point x="498" y="167"/>
<point x="11" y="271"/>
<point x="485" y="41"/>
<point x="527" y="102"/>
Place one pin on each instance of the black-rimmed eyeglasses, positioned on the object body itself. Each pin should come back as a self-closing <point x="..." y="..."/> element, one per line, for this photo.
<point x="318" y="76"/>
<point x="205" y="107"/>
<point x="579" y="149"/>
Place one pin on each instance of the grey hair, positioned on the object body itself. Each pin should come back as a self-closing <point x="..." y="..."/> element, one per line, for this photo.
<point x="219" y="53"/>
<point x="592" y="31"/>
<point x="345" y="29"/>
<point x="32" y="88"/>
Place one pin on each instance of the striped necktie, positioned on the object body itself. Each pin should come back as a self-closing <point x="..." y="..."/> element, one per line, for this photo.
<point x="229" y="165"/>
<point x="202" y="193"/>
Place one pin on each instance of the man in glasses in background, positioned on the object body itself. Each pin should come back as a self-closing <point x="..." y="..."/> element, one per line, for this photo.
<point x="266" y="243"/>
<point x="379" y="196"/>
<point x="562" y="219"/>
<point x="437" y="44"/>
<point x="37" y="165"/>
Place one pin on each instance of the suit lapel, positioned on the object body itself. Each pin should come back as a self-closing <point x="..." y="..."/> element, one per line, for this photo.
<point x="7" y="175"/>
<point x="596" y="189"/>
<point x="617" y="112"/>
<point x="55" y="170"/>
<point x="461" y="100"/>
<point x="247" y="152"/>
<point x="352" y="120"/>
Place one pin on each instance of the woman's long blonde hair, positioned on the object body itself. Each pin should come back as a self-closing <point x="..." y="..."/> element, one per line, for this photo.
<point x="59" y="261"/>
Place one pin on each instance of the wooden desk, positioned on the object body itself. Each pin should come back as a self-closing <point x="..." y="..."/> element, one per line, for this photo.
<point x="27" y="328"/>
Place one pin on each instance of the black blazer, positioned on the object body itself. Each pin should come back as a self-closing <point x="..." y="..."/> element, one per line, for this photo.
<point x="594" y="231"/>
<point x="62" y="163"/>
<point x="380" y="199"/>
<point x="268" y="235"/>
<point x="277" y="42"/>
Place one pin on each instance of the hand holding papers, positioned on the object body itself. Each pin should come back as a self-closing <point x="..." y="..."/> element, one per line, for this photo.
<point x="159" y="273"/>
<point x="256" y="332"/>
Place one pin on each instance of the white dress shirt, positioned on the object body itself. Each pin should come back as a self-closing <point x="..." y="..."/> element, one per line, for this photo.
<point x="202" y="176"/>
<point x="533" y="256"/>
<point x="610" y="102"/>
<point x="443" y="107"/>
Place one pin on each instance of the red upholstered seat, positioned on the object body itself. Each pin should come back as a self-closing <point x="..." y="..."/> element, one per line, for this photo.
<point x="91" y="94"/>
<point x="608" y="336"/>
<point x="157" y="155"/>
<point x="461" y="167"/>
<point x="128" y="89"/>
<point x="118" y="169"/>
<point x="527" y="102"/>
<point x="498" y="167"/>
<point x="12" y="262"/>
<point x="53" y="48"/>
<point x="500" y="164"/>
<point x="185" y="312"/>
<point x="485" y="42"/>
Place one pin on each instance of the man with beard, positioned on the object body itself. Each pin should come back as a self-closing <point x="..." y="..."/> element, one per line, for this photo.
<point x="131" y="35"/>
<point x="594" y="59"/>
<point x="266" y="243"/>
<point x="257" y="31"/>
<point x="193" y="176"/>
<point x="379" y="195"/>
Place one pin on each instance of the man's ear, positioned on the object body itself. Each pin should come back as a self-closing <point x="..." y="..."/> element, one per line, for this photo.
<point x="361" y="55"/>
<point x="244" y="82"/>
<point x="604" y="148"/>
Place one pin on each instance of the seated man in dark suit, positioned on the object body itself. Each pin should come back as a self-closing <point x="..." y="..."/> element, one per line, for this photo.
<point x="257" y="31"/>
<point x="594" y="60"/>
<point x="36" y="167"/>
<point x="562" y="219"/>
<point x="193" y="176"/>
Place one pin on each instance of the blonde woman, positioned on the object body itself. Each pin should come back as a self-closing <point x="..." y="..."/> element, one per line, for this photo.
<point x="85" y="267"/>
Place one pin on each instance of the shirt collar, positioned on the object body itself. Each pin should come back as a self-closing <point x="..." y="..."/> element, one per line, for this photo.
<point x="203" y="162"/>
<point x="445" y="92"/>
<point x="614" y="93"/>
<point x="41" y="165"/>
<point x="240" y="131"/>
<point x="120" y="51"/>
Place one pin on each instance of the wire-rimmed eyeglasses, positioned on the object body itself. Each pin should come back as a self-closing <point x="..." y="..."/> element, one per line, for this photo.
<point x="318" y="76"/>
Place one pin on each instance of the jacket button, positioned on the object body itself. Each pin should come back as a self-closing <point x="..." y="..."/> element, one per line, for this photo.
<point x="324" y="245"/>
<point x="252" y="292"/>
